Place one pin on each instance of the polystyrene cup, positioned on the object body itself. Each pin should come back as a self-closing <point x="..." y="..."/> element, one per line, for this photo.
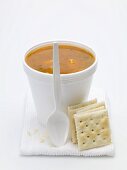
<point x="75" y="86"/>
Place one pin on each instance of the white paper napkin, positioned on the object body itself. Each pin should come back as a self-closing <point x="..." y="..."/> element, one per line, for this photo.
<point x="35" y="141"/>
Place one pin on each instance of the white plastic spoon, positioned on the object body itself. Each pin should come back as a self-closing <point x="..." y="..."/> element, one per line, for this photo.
<point x="58" y="123"/>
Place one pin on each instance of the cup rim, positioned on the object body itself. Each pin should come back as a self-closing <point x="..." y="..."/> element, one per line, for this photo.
<point x="67" y="42"/>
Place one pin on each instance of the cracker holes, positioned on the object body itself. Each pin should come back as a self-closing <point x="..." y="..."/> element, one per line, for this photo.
<point x="86" y="125"/>
<point x="91" y="119"/>
<point x="102" y="127"/>
<point x="93" y="140"/>
<point x="88" y="136"/>
<point x="82" y="132"/>
<point x="80" y="121"/>
<point x="83" y="143"/>
<point x="97" y="123"/>
<point x="92" y="130"/>
<point x="98" y="134"/>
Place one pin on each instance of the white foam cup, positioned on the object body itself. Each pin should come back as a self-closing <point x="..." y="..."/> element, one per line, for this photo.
<point x="75" y="86"/>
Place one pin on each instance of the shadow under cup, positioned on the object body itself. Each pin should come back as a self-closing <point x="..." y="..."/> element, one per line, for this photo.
<point x="75" y="86"/>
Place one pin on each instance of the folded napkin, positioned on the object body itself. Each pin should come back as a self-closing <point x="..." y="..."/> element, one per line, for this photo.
<point x="35" y="138"/>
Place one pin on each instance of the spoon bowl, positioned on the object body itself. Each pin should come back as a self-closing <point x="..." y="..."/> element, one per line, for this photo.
<point x="58" y="126"/>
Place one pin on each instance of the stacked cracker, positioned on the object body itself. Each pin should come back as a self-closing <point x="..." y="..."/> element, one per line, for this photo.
<point x="89" y="124"/>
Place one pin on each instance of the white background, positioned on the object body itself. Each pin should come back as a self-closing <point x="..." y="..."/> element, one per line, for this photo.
<point x="100" y="24"/>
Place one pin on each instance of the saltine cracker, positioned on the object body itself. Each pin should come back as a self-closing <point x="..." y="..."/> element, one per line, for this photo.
<point x="92" y="129"/>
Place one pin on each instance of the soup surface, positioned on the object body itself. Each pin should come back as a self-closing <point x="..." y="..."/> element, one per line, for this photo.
<point x="72" y="59"/>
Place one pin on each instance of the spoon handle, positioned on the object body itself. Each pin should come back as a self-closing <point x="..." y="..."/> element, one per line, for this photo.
<point x="56" y="76"/>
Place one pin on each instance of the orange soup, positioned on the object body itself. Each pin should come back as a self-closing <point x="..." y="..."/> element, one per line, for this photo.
<point x="72" y="59"/>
